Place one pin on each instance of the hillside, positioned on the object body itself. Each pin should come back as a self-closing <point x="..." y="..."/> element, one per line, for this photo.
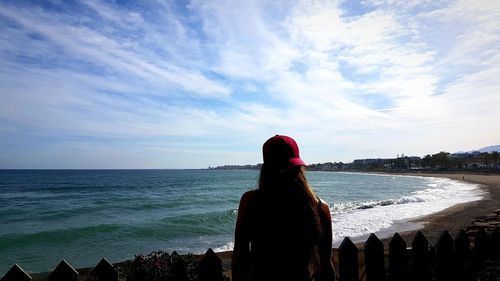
<point x="490" y="149"/>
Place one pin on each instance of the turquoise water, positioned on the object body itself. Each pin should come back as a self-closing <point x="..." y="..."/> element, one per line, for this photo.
<point x="84" y="215"/>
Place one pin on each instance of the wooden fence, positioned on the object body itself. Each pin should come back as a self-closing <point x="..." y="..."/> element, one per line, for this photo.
<point x="449" y="259"/>
<point x="209" y="268"/>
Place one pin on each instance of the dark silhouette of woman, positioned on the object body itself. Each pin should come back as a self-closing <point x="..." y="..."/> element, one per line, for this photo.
<point x="283" y="230"/>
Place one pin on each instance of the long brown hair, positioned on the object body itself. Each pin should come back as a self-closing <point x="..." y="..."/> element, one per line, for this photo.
<point x="294" y="181"/>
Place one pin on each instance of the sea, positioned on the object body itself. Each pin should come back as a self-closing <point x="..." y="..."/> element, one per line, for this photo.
<point x="84" y="215"/>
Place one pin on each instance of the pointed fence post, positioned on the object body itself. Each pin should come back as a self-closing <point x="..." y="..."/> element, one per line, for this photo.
<point x="374" y="259"/>
<point x="420" y="266"/>
<point x="348" y="261"/>
<point x="210" y="268"/>
<point x="495" y="243"/>
<point x="480" y="248"/>
<point x="398" y="258"/>
<point x="16" y="273"/>
<point x="179" y="267"/>
<point x="444" y="256"/>
<point x="462" y="256"/>
<point x="63" y="272"/>
<point x="103" y="271"/>
<point x="138" y="270"/>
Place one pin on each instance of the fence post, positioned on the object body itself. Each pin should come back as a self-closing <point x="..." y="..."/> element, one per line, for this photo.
<point x="348" y="261"/>
<point x="495" y="243"/>
<point x="179" y="267"/>
<point x="420" y="266"/>
<point x="480" y="249"/>
<point x="16" y="273"/>
<point x="210" y="268"/>
<point x="444" y="257"/>
<point x="103" y="271"/>
<point x="63" y="272"/>
<point x="398" y="258"/>
<point x="462" y="256"/>
<point x="374" y="259"/>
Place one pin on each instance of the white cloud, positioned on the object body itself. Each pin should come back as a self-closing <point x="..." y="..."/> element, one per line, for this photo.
<point x="373" y="84"/>
<point x="127" y="20"/>
<point x="96" y="48"/>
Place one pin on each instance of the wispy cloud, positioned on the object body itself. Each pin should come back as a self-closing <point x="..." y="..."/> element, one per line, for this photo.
<point x="206" y="82"/>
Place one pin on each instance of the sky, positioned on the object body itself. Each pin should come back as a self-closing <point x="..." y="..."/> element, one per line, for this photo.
<point x="192" y="84"/>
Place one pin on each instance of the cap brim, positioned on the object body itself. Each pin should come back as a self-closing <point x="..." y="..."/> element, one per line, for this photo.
<point x="293" y="162"/>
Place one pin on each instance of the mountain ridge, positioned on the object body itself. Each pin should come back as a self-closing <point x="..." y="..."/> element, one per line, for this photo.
<point x="490" y="148"/>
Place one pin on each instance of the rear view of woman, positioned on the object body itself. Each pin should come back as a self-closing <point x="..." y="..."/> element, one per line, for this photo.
<point x="283" y="230"/>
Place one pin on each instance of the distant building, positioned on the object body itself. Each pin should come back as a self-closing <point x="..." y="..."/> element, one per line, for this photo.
<point x="400" y="163"/>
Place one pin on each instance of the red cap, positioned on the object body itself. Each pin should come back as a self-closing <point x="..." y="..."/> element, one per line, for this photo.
<point x="282" y="153"/>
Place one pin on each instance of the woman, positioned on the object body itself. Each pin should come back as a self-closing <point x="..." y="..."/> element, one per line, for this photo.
<point x="283" y="231"/>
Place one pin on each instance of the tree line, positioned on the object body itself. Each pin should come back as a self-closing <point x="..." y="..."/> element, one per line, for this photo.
<point x="441" y="161"/>
<point x="475" y="160"/>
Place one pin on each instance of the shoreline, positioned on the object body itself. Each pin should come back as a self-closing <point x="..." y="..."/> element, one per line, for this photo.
<point x="460" y="216"/>
<point x="452" y="219"/>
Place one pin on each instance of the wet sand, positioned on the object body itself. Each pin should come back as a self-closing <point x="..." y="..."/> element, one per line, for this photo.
<point x="462" y="215"/>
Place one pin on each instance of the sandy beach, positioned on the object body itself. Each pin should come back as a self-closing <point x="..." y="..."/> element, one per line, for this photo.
<point x="452" y="219"/>
<point x="463" y="215"/>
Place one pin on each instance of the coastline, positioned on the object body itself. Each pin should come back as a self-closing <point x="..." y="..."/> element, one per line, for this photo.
<point x="460" y="216"/>
<point x="452" y="219"/>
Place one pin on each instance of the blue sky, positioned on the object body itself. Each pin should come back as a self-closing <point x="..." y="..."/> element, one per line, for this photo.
<point x="192" y="84"/>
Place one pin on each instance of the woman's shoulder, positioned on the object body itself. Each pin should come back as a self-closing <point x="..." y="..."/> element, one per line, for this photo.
<point x="249" y="194"/>
<point x="247" y="197"/>
<point x="321" y="201"/>
<point x="323" y="206"/>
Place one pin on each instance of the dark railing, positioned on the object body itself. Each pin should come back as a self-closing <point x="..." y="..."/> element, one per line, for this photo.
<point x="209" y="269"/>
<point x="449" y="259"/>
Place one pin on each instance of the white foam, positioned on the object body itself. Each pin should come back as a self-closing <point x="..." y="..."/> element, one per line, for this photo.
<point x="227" y="247"/>
<point x="358" y="220"/>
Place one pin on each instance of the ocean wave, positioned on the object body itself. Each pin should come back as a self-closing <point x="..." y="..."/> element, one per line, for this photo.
<point x="224" y="248"/>
<point x="57" y="236"/>
<point x="215" y="217"/>
<point x="371" y="204"/>
<point x="348" y="207"/>
<point x="188" y="225"/>
<point x="410" y="199"/>
<point x="437" y="190"/>
<point x="362" y="218"/>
